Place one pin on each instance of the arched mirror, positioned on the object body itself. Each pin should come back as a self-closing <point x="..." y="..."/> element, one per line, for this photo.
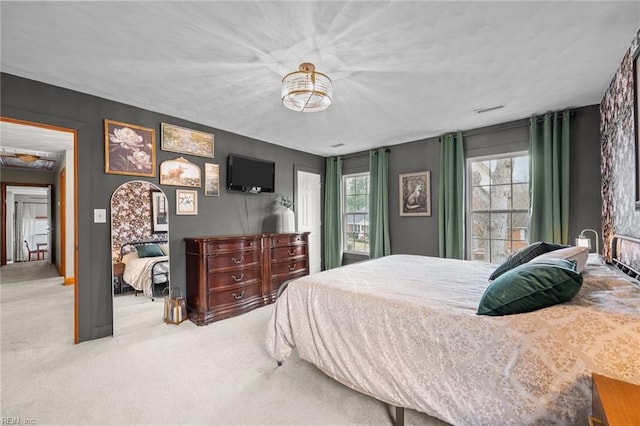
<point x="139" y="242"/>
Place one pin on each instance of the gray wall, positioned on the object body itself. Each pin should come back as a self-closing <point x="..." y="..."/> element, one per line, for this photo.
<point x="230" y="213"/>
<point x="419" y="235"/>
<point x="24" y="176"/>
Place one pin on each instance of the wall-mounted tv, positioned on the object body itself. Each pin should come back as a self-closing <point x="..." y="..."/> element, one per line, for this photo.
<point x="250" y="174"/>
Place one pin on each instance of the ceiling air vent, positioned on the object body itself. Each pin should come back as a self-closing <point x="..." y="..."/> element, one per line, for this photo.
<point x="337" y="145"/>
<point x="493" y="108"/>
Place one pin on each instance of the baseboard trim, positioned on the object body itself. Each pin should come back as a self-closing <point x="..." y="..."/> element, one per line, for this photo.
<point x="69" y="280"/>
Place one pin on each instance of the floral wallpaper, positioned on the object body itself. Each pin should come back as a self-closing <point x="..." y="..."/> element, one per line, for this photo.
<point x="617" y="133"/>
<point x="131" y="215"/>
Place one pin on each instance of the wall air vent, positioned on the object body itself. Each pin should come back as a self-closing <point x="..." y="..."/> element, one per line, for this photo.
<point x="493" y="108"/>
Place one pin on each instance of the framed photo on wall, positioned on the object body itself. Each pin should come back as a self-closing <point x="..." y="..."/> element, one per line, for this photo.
<point x="180" y="172"/>
<point x="159" y="212"/>
<point x="129" y="149"/>
<point x="211" y="180"/>
<point x="186" y="201"/>
<point x="186" y="141"/>
<point x="415" y="194"/>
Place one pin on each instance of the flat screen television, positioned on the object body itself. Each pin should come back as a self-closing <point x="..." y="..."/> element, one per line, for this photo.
<point x="250" y="174"/>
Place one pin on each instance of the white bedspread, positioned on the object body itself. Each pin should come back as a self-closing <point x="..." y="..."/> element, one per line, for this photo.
<point x="137" y="273"/>
<point x="404" y="329"/>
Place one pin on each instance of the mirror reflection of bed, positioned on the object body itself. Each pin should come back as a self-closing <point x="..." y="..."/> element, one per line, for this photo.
<point x="139" y="250"/>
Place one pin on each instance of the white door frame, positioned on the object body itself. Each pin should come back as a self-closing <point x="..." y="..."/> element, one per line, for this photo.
<point x="296" y="169"/>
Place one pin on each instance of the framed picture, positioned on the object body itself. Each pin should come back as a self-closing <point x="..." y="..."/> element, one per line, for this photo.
<point x="186" y="141"/>
<point x="129" y="149"/>
<point x="211" y="179"/>
<point x="180" y="172"/>
<point x="186" y="201"/>
<point x="415" y="194"/>
<point x="159" y="212"/>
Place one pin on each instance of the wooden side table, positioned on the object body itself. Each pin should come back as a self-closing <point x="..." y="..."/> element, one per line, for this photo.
<point x="118" y="272"/>
<point x="615" y="403"/>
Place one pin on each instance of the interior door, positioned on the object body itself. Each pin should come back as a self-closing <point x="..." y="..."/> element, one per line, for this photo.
<point x="51" y="225"/>
<point x="309" y="217"/>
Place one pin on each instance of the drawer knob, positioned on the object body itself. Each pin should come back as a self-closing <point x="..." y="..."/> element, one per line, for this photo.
<point x="292" y="252"/>
<point x="236" y="261"/>
<point x="292" y="267"/>
<point x="220" y="246"/>
<point x="250" y="243"/>
<point x="236" y="279"/>
<point x="238" y="296"/>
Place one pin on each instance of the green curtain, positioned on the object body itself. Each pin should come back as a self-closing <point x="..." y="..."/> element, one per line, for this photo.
<point x="379" y="242"/>
<point x="549" y="178"/>
<point x="332" y="213"/>
<point x="451" y="197"/>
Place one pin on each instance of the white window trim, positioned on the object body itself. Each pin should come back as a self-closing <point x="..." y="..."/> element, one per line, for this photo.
<point x="469" y="190"/>
<point x="344" y="213"/>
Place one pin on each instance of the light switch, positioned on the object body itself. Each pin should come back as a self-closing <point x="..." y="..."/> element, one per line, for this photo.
<point x="99" y="216"/>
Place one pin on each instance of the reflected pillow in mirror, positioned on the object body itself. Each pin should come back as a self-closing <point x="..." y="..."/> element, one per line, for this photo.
<point x="149" y="250"/>
<point x="129" y="257"/>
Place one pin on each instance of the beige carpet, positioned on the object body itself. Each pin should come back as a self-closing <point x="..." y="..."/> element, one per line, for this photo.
<point x="27" y="271"/>
<point x="154" y="373"/>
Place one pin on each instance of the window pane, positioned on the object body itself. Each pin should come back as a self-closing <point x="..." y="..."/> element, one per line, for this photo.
<point x="520" y="225"/>
<point x="521" y="196"/>
<point x="350" y="186"/>
<point x="480" y="225"/>
<point x="501" y="171"/>
<point x="480" y="250"/>
<point x="362" y="203"/>
<point x="362" y="186"/>
<point x="501" y="197"/>
<point x="521" y="169"/>
<point x="480" y="173"/>
<point x="350" y="203"/>
<point x="481" y="197"/>
<point x="500" y="250"/>
<point x="501" y="226"/>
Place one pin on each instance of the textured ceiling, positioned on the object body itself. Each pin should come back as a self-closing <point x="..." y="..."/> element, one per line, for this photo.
<point x="402" y="71"/>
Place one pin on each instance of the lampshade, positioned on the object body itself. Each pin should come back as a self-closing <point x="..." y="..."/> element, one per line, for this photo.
<point x="584" y="241"/>
<point x="27" y="158"/>
<point x="306" y="90"/>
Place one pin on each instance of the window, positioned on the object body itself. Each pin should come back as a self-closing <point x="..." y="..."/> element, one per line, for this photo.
<point x="498" y="219"/>
<point x="355" y="212"/>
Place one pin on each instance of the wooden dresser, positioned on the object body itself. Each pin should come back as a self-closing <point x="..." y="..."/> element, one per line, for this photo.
<point x="231" y="275"/>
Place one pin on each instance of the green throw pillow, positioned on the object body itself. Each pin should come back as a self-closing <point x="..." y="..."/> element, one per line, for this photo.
<point x="530" y="287"/>
<point x="524" y="255"/>
<point x="149" y="250"/>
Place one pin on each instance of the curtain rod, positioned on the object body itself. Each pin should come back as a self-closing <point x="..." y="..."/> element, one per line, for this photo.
<point x="524" y="122"/>
<point x="356" y="154"/>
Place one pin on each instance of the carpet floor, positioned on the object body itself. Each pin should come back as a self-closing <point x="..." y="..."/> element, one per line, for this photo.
<point x="154" y="373"/>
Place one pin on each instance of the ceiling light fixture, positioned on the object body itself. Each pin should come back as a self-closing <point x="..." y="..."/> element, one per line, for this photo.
<point x="306" y="90"/>
<point x="27" y="158"/>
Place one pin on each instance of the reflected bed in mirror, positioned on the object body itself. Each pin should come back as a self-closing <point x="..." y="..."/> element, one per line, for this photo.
<point x="139" y="240"/>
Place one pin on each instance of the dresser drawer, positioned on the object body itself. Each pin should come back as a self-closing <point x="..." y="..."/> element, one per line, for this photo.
<point x="278" y="279"/>
<point x="233" y="259"/>
<point x="233" y="245"/>
<point x="283" y="240"/>
<point x="289" y="266"/>
<point x="235" y="296"/>
<point x="234" y="278"/>
<point x="287" y="252"/>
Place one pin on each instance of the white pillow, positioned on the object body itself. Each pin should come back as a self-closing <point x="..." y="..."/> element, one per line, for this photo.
<point x="129" y="257"/>
<point x="579" y="254"/>
<point x="595" y="259"/>
<point x="165" y="249"/>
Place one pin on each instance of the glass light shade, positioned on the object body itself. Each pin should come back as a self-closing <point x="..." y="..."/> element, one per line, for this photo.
<point x="306" y="90"/>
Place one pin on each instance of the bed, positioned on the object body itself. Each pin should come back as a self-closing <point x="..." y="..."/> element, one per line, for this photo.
<point x="146" y="266"/>
<point x="402" y="331"/>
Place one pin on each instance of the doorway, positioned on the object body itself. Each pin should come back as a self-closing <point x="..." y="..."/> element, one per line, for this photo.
<point x="28" y="223"/>
<point x="309" y="213"/>
<point x="34" y="154"/>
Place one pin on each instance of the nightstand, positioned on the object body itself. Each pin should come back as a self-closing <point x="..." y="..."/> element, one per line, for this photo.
<point x="118" y="272"/>
<point x="615" y="403"/>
